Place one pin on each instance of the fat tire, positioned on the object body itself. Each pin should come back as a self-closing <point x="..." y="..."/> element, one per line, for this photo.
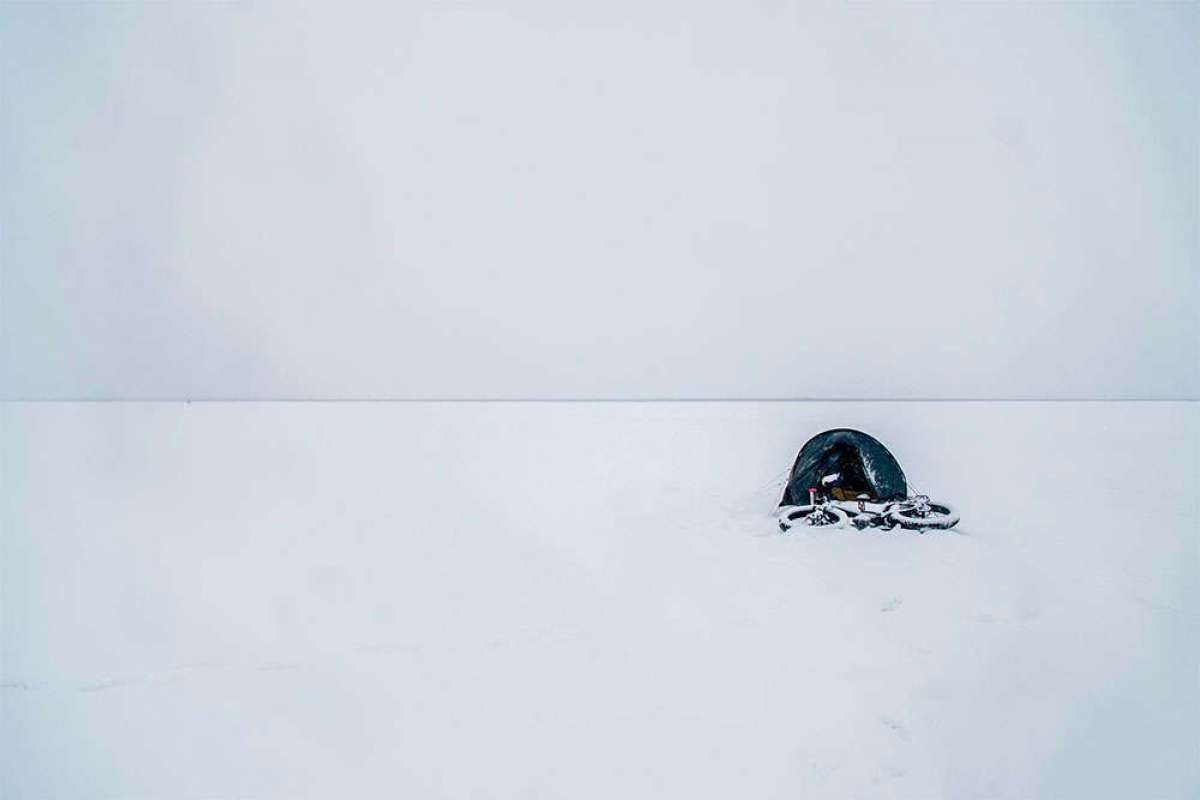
<point x="791" y="516"/>
<point x="942" y="517"/>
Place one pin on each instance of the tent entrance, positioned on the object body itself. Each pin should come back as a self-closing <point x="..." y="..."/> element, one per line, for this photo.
<point x="844" y="461"/>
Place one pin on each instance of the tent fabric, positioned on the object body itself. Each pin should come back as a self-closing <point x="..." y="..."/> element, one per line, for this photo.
<point x="863" y="464"/>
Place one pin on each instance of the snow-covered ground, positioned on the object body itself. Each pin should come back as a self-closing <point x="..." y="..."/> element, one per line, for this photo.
<point x="592" y="600"/>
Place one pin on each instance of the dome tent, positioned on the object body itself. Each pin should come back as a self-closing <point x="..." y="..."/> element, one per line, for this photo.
<point x="863" y="466"/>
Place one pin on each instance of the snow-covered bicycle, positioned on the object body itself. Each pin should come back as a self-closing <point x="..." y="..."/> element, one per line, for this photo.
<point x="917" y="513"/>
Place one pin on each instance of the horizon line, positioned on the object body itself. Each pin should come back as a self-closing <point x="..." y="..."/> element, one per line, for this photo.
<point x="598" y="399"/>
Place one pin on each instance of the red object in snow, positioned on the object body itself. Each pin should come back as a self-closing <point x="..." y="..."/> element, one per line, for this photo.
<point x="812" y="497"/>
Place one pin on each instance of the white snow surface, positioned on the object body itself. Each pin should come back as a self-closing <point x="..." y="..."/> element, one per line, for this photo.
<point x="517" y="600"/>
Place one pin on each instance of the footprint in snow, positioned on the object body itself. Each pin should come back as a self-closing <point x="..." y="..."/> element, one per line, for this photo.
<point x="895" y="726"/>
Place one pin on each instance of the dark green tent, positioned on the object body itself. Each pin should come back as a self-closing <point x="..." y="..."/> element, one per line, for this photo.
<point x="862" y="464"/>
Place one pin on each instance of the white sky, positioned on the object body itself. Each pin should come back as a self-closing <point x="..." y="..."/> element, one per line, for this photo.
<point x="603" y="199"/>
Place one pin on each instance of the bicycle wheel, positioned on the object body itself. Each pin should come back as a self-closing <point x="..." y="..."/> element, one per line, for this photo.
<point x="816" y="516"/>
<point x="934" y="516"/>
